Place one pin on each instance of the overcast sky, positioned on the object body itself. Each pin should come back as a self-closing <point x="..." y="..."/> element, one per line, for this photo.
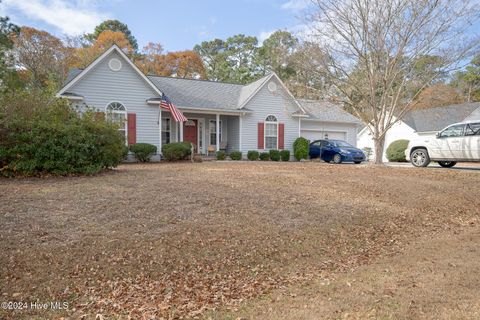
<point x="177" y="25"/>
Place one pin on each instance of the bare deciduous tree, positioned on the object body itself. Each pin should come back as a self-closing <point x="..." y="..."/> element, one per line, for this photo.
<point x="374" y="47"/>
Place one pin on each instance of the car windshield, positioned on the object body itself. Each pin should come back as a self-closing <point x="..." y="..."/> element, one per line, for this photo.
<point x="340" y="144"/>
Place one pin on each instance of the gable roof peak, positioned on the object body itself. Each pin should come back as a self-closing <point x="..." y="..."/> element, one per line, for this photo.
<point x="95" y="62"/>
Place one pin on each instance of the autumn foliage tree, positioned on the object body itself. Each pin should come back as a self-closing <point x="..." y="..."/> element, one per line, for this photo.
<point x="41" y="57"/>
<point x="181" y="64"/>
<point x="85" y="55"/>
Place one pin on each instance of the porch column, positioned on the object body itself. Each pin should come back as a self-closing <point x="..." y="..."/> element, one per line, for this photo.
<point x="217" y="126"/>
<point x="240" y="133"/>
<point x="160" y="131"/>
<point x="181" y="131"/>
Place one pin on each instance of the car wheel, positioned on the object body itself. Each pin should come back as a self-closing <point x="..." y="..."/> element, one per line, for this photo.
<point x="447" y="164"/>
<point x="420" y="158"/>
<point x="357" y="162"/>
<point x="337" y="159"/>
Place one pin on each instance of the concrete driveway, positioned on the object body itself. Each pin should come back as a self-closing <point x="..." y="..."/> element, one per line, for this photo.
<point x="459" y="166"/>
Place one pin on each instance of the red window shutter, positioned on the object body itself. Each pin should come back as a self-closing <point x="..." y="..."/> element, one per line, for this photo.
<point x="132" y="128"/>
<point x="261" y="129"/>
<point x="281" y="136"/>
<point x="99" y="116"/>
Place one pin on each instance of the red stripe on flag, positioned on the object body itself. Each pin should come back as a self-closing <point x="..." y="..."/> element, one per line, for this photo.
<point x="177" y="114"/>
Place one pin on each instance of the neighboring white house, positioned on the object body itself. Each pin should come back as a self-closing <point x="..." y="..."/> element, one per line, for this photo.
<point x="421" y="123"/>
<point x="262" y="115"/>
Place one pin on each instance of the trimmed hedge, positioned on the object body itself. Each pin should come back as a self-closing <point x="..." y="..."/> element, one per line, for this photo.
<point x="48" y="137"/>
<point x="300" y="148"/>
<point x="252" y="155"/>
<point x="221" y="155"/>
<point x="264" y="156"/>
<point x="236" y="155"/>
<point x="396" y="151"/>
<point x="143" y="151"/>
<point x="176" y="151"/>
<point x="274" y="155"/>
<point x="285" y="155"/>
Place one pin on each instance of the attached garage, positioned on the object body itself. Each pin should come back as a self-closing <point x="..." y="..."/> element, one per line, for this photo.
<point x="328" y="120"/>
<point x="313" y="135"/>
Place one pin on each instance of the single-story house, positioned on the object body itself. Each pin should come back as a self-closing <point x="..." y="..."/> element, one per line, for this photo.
<point x="262" y="115"/>
<point x="421" y="123"/>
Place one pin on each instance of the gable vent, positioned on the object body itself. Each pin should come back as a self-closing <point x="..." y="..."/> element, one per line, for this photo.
<point x="114" y="64"/>
<point x="272" y="86"/>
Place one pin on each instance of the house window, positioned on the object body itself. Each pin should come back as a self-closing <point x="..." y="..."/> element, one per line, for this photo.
<point x="166" y="130"/>
<point x="117" y="113"/>
<point x="213" y="132"/>
<point x="271" y="132"/>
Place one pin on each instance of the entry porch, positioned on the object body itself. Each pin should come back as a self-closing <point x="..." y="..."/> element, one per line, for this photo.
<point x="209" y="132"/>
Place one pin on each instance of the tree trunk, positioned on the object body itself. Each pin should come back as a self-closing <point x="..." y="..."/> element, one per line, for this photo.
<point x="379" y="145"/>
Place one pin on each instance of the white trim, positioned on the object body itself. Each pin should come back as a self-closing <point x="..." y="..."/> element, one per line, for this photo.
<point x="217" y="131"/>
<point x="222" y="133"/>
<point x="160" y="143"/>
<point x="323" y="130"/>
<point x="240" y="120"/>
<point x="126" y="117"/>
<point x="265" y="129"/>
<point x="70" y="97"/>
<point x="181" y="131"/>
<point x="97" y="61"/>
<point x="299" y="127"/>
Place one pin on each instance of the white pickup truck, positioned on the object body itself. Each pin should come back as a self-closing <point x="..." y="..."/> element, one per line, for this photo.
<point x="457" y="142"/>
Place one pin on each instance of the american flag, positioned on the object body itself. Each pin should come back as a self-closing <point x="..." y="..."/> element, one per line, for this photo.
<point x="168" y="105"/>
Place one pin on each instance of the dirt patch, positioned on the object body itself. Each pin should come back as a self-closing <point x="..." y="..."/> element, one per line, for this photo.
<point x="177" y="240"/>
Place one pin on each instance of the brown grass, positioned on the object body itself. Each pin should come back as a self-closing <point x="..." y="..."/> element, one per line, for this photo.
<point x="176" y="240"/>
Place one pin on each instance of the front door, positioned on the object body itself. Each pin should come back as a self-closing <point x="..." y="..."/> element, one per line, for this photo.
<point x="190" y="130"/>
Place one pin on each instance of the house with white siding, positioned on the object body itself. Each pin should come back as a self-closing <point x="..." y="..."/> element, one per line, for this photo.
<point x="262" y="115"/>
<point x="421" y="123"/>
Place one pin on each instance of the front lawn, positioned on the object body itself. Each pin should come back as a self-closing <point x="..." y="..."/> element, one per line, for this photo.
<point x="172" y="240"/>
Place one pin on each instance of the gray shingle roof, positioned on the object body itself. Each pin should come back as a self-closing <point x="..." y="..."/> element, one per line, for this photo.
<point x="435" y="119"/>
<point x="326" y="111"/>
<point x="190" y="93"/>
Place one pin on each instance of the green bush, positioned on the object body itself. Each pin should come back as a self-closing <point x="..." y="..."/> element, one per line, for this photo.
<point x="176" y="151"/>
<point x="396" y="151"/>
<point x="274" y="155"/>
<point x="221" y="155"/>
<point x="41" y="136"/>
<point x="143" y="151"/>
<point x="236" y="155"/>
<point x="264" y="156"/>
<point x="285" y="155"/>
<point x="124" y="152"/>
<point x="300" y="148"/>
<point x="252" y="155"/>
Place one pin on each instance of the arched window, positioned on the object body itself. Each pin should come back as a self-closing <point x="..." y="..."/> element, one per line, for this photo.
<point x="117" y="113"/>
<point x="271" y="132"/>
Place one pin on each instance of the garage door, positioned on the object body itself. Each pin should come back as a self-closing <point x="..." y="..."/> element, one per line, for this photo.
<point x="317" y="135"/>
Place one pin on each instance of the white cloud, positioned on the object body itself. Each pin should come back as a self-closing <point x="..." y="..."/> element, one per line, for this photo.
<point x="264" y="35"/>
<point x="296" y="5"/>
<point x="69" y="18"/>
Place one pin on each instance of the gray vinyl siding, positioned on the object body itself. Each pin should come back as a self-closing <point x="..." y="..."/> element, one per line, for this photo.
<point x="349" y="128"/>
<point x="101" y="86"/>
<point x="263" y="104"/>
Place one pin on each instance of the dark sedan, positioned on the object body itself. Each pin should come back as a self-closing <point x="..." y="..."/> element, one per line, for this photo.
<point x="337" y="151"/>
